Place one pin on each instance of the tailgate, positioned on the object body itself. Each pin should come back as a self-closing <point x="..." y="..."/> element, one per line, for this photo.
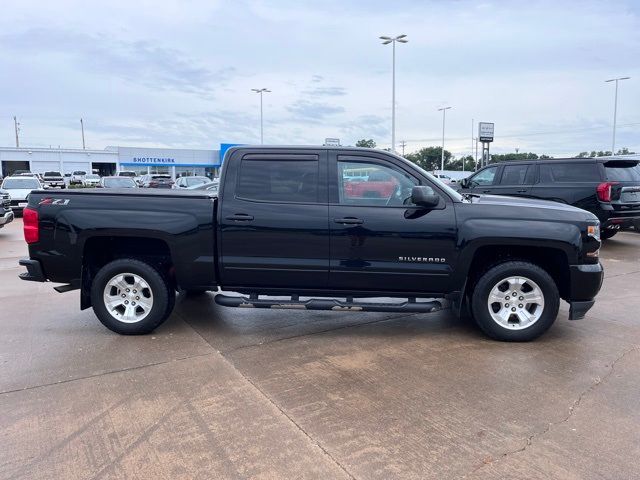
<point x="624" y="174"/>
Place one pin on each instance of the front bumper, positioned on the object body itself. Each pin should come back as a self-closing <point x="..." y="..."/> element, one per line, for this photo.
<point x="7" y="217"/>
<point x="34" y="271"/>
<point x="54" y="184"/>
<point x="585" y="281"/>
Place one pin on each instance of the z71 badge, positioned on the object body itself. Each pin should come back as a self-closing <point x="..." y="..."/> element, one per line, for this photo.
<point x="54" y="201"/>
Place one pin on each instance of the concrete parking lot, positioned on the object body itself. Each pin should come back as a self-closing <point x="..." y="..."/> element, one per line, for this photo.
<point x="228" y="393"/>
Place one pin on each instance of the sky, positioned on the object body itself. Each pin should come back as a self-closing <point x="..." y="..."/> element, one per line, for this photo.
<point x="180" y="73"/>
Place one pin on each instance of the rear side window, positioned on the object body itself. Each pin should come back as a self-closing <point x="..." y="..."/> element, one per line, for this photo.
<point x="622" y="171"/>
<point x="515" y="175"/>
<point x="278" y="180"/>
<point x="569" y="172"/>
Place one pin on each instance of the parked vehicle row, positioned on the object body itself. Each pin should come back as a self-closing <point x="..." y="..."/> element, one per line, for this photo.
<point x="608" y="188"/>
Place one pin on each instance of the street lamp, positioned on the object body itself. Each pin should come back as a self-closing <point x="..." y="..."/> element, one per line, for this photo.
<point x="444" y="111"/>
<point x="392" y="41"/>
<point x="261" y="91"/>
<point x="615" y="111"/>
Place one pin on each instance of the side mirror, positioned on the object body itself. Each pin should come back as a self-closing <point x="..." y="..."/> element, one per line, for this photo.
<point x="464" y="183"/>
<point x="424" y="196"/>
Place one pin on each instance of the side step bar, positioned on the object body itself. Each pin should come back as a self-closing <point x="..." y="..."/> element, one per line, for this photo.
<point x="254" y="301"/>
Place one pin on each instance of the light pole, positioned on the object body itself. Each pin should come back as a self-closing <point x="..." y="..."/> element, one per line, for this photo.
<point x="615" y="111"/>
<point x="444" y="111"/>
<point x="261" y="91"/>
<point x="392" y="41"/>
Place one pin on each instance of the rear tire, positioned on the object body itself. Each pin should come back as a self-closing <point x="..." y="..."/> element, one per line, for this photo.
<point x="607" y="233"/>
<point x="524" y="316"/>
<point x="115" y="289"/>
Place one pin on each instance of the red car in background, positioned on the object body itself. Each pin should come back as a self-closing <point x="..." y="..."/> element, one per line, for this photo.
<point x="377" y="185"/>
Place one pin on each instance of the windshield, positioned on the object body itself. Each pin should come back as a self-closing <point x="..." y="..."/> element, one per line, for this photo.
<point x="623" y="171"/>
<point x="127" y="174"/>
<point x="79" y="172"/>
<point x="52" y="174"/>
<point x="20" y="184"/>
<point x="196" y="181"/>
<point x="115" y="182"/>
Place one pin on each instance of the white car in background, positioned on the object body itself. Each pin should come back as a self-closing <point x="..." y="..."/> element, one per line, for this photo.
<point x="77" y="177"/>
<point x="91" y="180"/>
<point x="19" y="188"/>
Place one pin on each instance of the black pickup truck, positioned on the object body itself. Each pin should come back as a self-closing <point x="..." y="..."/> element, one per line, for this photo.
<point x="327" y="229"/>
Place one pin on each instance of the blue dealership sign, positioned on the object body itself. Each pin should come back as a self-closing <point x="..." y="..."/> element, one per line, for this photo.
<point x="226" y="146"/>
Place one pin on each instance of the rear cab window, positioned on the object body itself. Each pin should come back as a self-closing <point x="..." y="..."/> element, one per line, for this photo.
<point x="569" y="172"/>
<point x="288" y="179"/>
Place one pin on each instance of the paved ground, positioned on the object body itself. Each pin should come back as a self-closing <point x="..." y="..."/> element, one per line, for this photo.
<point x="224" y="393"/>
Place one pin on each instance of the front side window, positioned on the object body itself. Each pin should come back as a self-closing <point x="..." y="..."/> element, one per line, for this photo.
<point x="278" y="180"/>
<point x="514" y="174"/>
<point x="485" y="177"/>
<point x="369" y="183"/>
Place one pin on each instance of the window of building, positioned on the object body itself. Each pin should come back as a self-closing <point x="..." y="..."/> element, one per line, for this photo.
<point x="278" y="180"/>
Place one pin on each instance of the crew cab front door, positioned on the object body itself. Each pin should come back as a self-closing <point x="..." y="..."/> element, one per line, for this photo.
<point x="380" y="241"/>
<point x="273" y="220"/>
<point x="481" y="182"/>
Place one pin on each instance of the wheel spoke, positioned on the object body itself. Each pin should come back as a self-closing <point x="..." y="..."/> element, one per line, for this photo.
<point x="533" y="296"/>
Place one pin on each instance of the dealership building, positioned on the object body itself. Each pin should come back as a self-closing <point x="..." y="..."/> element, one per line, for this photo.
<point x="173" y="161"/>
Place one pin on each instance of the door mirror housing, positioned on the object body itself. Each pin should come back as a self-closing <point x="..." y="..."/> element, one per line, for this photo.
<point x="464" y="183"/>
<point x="424" y="196"/>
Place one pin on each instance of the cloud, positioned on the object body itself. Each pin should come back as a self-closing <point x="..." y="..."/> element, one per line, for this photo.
<point x="138" y="62"/>
<point x="313" y="111"/>
<point x="325" y="92"/>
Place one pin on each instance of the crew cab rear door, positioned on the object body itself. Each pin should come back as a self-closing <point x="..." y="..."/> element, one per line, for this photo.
<point x="273" y="220"/>
<point x="380" y="241"/>
<point x="515" y="180"/>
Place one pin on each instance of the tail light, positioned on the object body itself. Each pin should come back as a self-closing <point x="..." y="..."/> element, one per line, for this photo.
<point x="604" y="191"/>
<point x="31" y="226"/>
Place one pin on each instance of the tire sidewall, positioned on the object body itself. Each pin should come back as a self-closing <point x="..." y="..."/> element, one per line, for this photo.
<point x="161" y="296"/>
<point x="482" y="289"/>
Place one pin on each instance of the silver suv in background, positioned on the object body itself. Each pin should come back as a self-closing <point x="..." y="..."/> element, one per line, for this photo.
<point x="53" y="179"/>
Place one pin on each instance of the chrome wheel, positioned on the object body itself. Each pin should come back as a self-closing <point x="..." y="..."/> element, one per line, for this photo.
<point x="128" y="297"/>
<point x="516" y="303"/>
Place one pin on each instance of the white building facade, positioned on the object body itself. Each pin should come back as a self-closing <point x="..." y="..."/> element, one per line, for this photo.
<point x="173" y="161"/>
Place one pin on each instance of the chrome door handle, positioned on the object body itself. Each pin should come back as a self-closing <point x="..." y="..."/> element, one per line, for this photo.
<point x="240" y="217"/>
<point x="349" y="221"/>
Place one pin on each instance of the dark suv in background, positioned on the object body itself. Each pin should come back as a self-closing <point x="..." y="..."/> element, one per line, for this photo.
<point x="609" y="188"/>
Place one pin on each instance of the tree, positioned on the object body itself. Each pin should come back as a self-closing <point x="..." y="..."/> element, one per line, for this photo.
<point x="366" y="143"/>
<point x="508" y="157"/>
<point x="429" y="158"/>
<point x="456" y="164"/>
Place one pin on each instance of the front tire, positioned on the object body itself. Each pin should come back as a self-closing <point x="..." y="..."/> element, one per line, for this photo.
<point x="130" y="297"/>
<point x="515" y="302"/>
